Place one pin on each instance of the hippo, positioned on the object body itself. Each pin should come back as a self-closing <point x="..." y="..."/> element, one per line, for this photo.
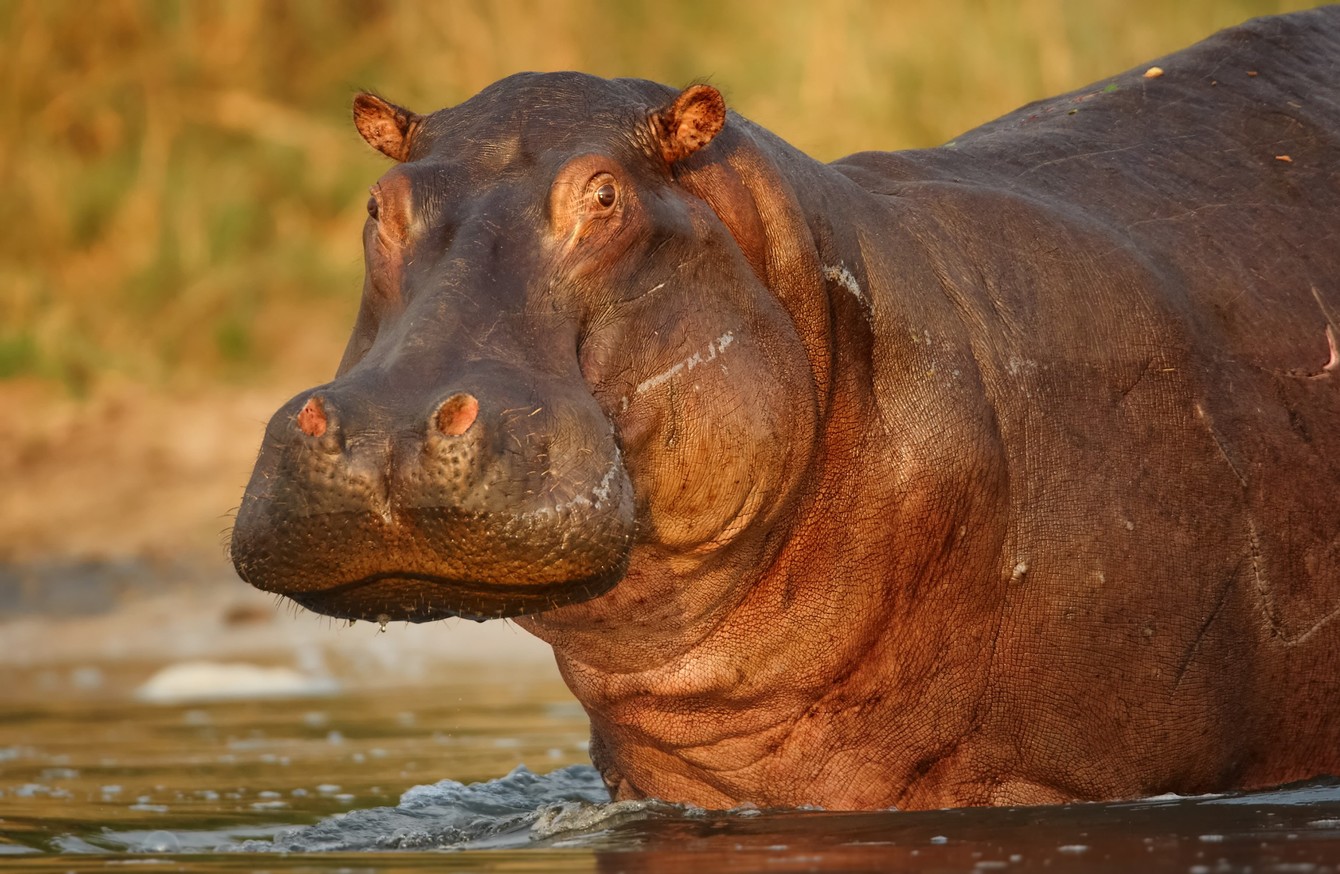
<point x="998" y="473"/>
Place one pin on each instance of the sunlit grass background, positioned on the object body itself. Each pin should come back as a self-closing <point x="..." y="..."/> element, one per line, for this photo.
<point x="182" y="191"/>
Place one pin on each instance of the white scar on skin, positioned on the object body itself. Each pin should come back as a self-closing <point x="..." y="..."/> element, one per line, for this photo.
<point x="594" y="497"/>
<point x="1333" y="363"/>
<point x="843" y="277"/>
<point x="715" y="348"/>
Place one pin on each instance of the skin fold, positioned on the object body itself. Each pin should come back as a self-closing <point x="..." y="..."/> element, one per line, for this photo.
<point x="996" y="473"/>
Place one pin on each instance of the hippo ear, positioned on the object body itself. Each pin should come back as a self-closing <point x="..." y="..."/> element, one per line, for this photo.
<point x="689" y="122"/>
<point x="387" y="128"/>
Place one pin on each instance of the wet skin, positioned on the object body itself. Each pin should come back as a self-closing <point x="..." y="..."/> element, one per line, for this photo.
<point x="996" y="473"/>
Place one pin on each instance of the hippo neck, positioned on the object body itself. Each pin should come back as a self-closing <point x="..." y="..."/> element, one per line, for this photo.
<point x="841" y="616"/>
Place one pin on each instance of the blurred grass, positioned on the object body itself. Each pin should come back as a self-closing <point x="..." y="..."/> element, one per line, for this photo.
<point x="183" y="192"/>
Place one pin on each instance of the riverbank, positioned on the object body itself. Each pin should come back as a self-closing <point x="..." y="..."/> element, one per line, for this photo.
<point x="113" y="528"/>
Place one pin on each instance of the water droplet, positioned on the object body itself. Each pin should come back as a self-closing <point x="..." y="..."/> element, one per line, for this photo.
<point x="160" y="842"/>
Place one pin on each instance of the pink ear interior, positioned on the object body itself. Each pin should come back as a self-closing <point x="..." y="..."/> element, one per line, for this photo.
<point x="387" y="128"/>
<point x="690" y="122"/>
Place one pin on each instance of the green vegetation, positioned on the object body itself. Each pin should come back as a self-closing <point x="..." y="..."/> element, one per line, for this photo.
<point x="183" y="191"/>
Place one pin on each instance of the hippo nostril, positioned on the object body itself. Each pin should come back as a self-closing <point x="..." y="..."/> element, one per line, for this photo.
<point x="456" y="414"/>
<point x="312" y="417"/>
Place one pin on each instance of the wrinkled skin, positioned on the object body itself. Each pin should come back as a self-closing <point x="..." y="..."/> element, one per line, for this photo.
<point x="996" y="473"/>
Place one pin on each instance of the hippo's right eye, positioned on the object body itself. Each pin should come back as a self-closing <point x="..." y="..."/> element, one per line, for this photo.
<point x="605" y="195"/>
<point x="372" y="207"/>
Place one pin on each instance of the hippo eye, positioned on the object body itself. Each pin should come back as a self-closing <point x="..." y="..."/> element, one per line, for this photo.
<point x="372" y="207"/>
<point x="605" y="195"/>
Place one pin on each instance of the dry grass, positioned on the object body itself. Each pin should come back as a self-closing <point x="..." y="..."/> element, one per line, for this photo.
<point x="183" y="191"/>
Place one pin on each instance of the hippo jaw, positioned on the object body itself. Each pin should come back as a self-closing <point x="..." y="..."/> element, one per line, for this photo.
<point x="418" y="590"/>
<point x="420" y="597"/>
<point x="422" y="587"/>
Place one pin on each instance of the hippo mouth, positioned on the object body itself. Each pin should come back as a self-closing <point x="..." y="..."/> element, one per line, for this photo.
<point x="430" y="565"/>
<point x="408" y="596"/>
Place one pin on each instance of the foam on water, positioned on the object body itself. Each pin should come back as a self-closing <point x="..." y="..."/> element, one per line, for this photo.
<point x="512" y="811"/>
<point x="200" y="681"/>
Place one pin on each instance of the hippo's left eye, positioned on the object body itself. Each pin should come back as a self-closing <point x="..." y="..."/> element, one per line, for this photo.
<point x="372" y="207"/>
<point x="605" y="195"/>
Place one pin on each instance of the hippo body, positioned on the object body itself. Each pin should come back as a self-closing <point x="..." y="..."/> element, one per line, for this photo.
<point x="1002" y="472"/>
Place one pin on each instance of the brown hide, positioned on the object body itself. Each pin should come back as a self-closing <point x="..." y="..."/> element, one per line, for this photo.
<point x="1002" y="472"/>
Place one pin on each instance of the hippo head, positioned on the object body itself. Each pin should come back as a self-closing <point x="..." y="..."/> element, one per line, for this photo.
<point x="565" y="353"/>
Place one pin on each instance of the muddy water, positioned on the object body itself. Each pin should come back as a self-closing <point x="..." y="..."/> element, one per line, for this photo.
<point x="380" y="779"/>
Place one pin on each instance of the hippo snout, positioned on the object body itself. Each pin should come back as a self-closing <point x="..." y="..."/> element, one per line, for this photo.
<point x="479" y="501"/>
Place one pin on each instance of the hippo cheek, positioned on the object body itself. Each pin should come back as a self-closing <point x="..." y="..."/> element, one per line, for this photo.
<point x="424" y="527"/>
<point x="717" y="439"/>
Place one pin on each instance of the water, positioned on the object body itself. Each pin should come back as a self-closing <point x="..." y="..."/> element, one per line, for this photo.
<point x="380" y="779"/>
